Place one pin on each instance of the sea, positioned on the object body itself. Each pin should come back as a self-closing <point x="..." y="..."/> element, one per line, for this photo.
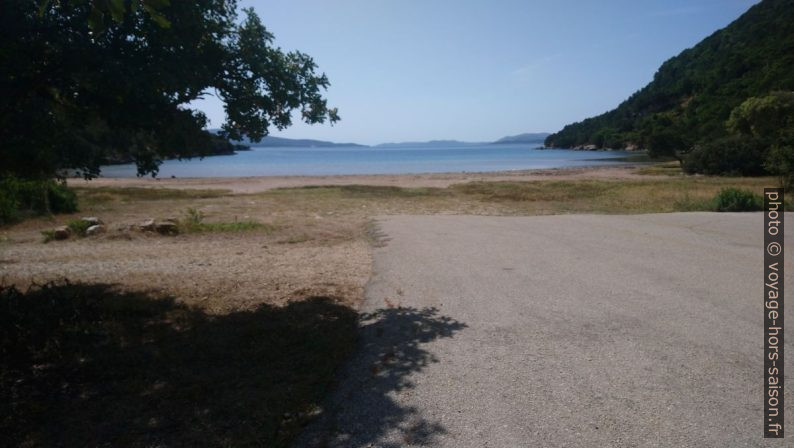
<point x="342" y="160"/>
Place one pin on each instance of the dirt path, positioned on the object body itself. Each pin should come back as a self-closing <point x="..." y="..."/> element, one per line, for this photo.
<point x="577" y="330"/>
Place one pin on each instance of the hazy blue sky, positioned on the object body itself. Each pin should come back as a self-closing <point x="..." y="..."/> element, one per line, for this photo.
<point x="479" y="70"/>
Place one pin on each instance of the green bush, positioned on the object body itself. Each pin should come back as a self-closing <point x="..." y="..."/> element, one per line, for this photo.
<point x="737" y="200"/>
<point x="733" y="156"/>
<point x="193" y="222"/>
<point x="21" y="197"/>
<point x="9" y="206"/>
<point x="78" y="226"/>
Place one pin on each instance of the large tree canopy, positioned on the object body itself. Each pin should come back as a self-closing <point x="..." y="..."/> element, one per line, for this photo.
<point x="87" y="81"/>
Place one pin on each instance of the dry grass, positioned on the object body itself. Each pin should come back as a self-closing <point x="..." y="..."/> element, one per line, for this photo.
<point x="671" y="168"/>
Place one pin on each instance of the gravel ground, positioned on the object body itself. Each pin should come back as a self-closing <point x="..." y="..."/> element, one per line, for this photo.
<point x="558" y="331"/>
<point x="220" y="272"/>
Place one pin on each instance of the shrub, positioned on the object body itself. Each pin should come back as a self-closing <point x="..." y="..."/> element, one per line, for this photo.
<point x="78" y="226"/>
<point x="9" y="206"/>
<point x="737" y="200"/>
<point x="735" y="155"/>
<point x="193" y="222"/>
<point x="780" y="162"/>
<point x="19" y="197"/>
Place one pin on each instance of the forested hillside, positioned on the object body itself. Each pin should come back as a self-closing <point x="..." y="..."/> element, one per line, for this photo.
<point x="686" y="106"/>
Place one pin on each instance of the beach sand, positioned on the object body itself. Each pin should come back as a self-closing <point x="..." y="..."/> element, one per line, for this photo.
<point x="437" y="180"/>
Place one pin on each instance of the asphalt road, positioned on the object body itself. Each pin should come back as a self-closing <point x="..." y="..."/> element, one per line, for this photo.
<point x="569" y="331"/>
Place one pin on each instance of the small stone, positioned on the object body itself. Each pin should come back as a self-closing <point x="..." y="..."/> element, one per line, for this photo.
<point x="61" y="233"/>
<point x="95" y="230"/>
<point x="147" y="226"/>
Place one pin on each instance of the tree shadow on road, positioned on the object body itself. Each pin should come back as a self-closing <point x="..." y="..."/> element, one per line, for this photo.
<point x="363" y="410"/>
<point x="90" y="365"/>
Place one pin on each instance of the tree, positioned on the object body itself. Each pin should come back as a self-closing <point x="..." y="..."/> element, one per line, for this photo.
<point x="87" y="81"/>
<point x="769" y="119"/>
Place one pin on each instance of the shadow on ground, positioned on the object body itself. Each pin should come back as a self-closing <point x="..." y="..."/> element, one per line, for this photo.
<point x="87" y="365"/>
<point x="363" y="411"/>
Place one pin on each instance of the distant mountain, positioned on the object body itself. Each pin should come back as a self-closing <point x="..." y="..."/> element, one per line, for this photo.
<point x="272" y="141"/>
<point x="537" y="137"/>
<point x="431" y="143"/>
<point x="692" y="94"/>
<point x="292" y="142"/>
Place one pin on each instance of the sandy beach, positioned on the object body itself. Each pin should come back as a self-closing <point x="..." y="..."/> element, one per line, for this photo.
<point x="433" y="180"/>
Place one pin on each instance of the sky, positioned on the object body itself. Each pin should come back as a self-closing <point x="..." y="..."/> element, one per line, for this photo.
<point x="417" y="70"/>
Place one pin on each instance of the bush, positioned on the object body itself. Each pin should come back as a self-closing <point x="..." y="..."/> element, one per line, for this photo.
<point x="20" y="197"/>
<point x="193" y="222"/>
<point x="736" y="156"/>
<point x="9" y="206"/>
<point x="737" y="200"/>
<point x="78" y="226"/>
<point x="780" y="162"/>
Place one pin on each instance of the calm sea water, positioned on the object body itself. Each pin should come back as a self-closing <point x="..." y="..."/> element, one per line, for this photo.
<point x="269" y="161"/>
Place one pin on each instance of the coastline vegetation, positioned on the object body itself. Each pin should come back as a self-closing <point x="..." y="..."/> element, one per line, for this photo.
<point x="724" y="106"/>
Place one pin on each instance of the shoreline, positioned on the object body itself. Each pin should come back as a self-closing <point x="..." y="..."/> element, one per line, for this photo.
<point x="255" y="184"/>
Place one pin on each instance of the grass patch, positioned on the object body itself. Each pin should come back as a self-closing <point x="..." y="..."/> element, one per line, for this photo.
<point x="49" y="235"/>
<point x="193" y="222"/>
<point x="134" y="194"/>
<point x="689" y="204"/>
<point x="88" y="365"/>
<point x="237" y="226"/>
<point x="672" y="168"/>
<point x="367" y="191"/>
<point x="637" y="195"/>
<point x="535" y="190"/>
<point x="379" y="191"/>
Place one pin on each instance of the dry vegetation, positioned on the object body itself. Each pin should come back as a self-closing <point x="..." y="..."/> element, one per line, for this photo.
<point x="256" y="282"/>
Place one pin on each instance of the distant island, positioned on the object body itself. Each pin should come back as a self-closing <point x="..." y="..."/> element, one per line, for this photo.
<point x="274" y="142"/>
<point x="536" y="137"/>
<point x="431" y="143"/>
<point x="271" y="141"/>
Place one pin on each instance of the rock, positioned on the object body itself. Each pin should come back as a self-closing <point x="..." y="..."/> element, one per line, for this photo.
<point x="61" y="233"/>
<point x="95" y="230"/>
<point x="93" y="220"/>
<point x="147" y="226"/>
<point x="167" y="228"/>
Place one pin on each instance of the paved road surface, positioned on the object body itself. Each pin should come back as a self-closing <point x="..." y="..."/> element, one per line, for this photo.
<point x="569" y="331"/>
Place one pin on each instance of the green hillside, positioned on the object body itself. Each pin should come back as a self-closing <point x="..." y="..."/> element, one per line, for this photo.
<point x="692" y="95"/>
